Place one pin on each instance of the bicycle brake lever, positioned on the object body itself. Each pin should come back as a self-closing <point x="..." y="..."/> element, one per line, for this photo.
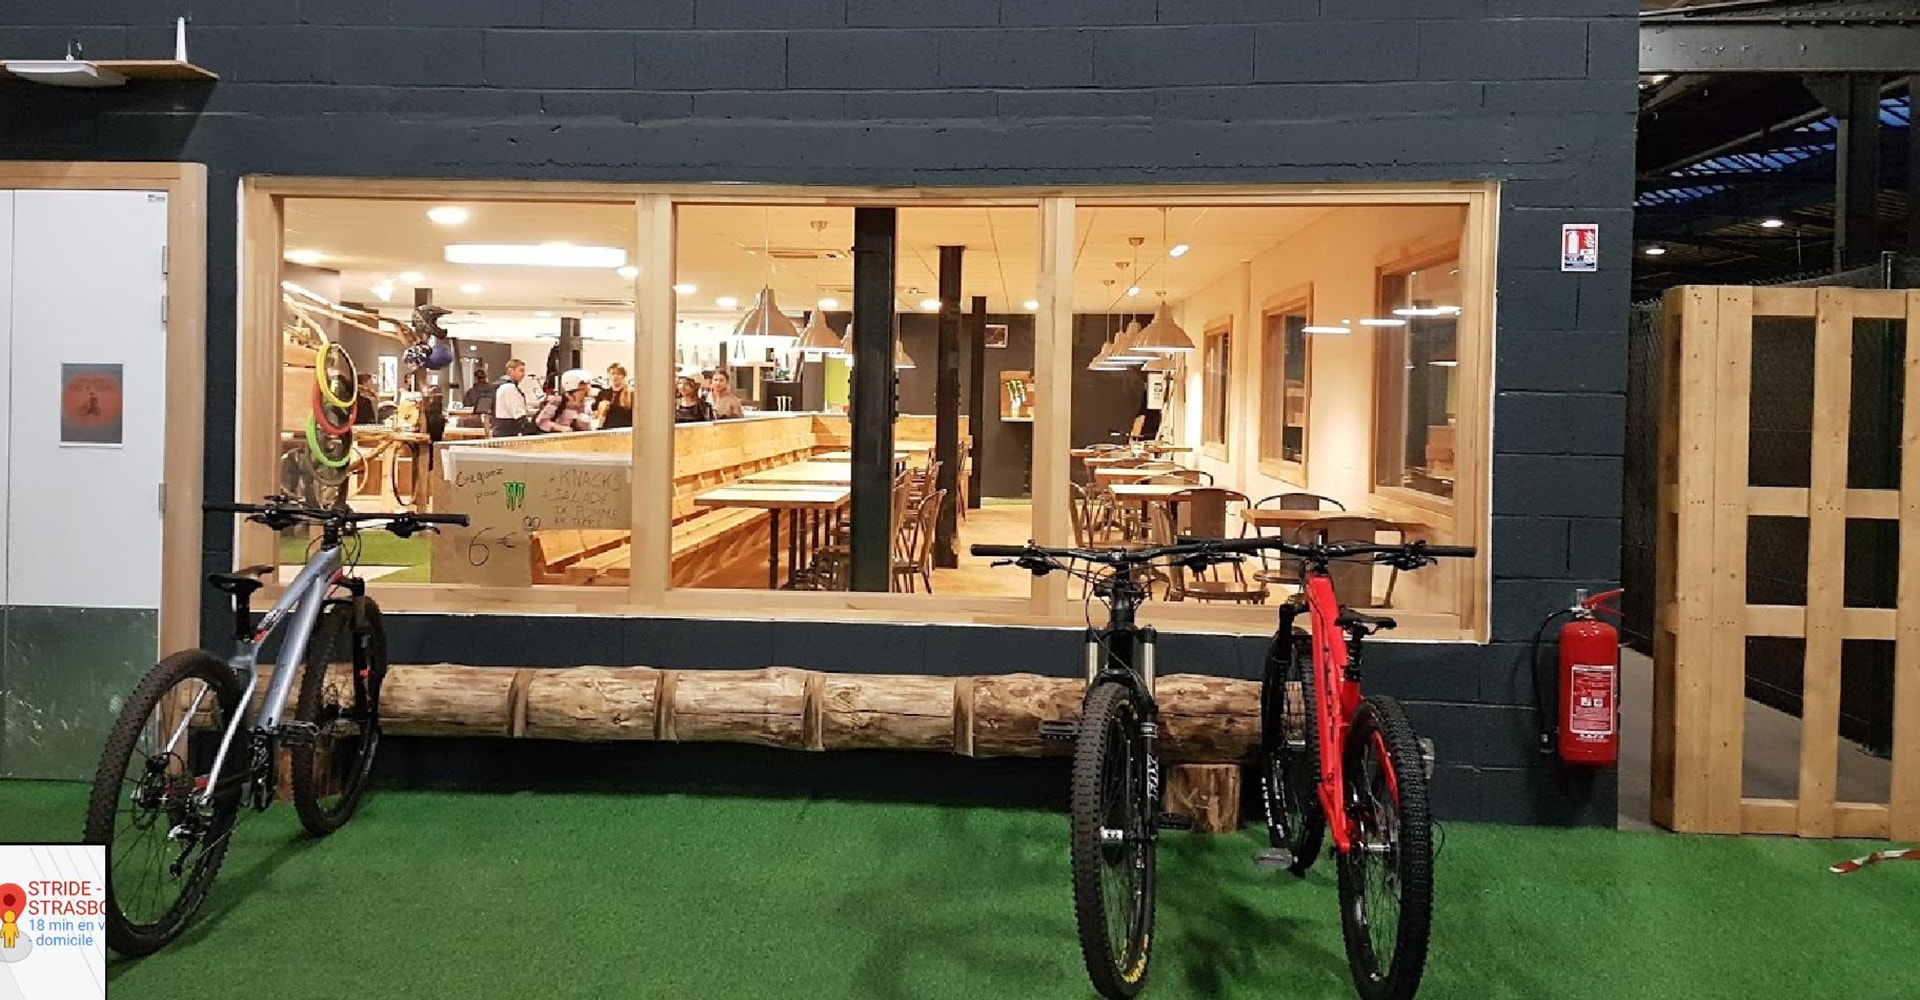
<point x="997" y="563"/>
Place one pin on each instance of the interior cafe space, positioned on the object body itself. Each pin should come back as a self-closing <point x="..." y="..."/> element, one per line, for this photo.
<point x="814" y="400"/>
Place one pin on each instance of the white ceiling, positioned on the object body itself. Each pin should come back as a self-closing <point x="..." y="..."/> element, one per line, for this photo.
<point x="720" y="250"/>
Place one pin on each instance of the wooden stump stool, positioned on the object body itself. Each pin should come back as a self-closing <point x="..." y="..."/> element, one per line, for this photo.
<point x="1208" y="794"/>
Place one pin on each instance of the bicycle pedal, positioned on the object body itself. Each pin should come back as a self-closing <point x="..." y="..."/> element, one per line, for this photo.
<point x="1427" y="756"/>
<point x="1057" y="730"/>
<point x="1273" y="857"/>
<point x="298" y="734"/>
<point x="1172" y="821"/>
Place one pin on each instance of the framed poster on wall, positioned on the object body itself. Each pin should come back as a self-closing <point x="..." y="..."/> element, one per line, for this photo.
<point x="996" y="335"/>
<point x="90" y="404"/>
<point x="389" y="374"/>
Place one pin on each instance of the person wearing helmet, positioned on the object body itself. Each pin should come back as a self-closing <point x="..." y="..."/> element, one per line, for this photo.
<point x="567" y="410"/>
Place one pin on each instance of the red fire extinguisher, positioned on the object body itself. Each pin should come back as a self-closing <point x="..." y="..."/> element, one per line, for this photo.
<point x="1586" y="730"/>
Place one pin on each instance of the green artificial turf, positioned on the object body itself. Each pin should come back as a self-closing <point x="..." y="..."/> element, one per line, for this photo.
<point x="378" y="548"/>
<point x="432" y="894"/>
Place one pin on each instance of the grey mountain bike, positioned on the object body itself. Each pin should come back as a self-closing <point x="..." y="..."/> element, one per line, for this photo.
<point x="184" y="756"/>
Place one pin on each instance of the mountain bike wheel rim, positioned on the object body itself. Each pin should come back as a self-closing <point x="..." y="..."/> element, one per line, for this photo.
<point x="319" y="454"/>
<point x="320" y="372"/>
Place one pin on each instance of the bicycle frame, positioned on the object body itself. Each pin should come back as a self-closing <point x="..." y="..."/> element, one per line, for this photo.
<point x="299" y="609"/>
<point x="1337" y="698"/>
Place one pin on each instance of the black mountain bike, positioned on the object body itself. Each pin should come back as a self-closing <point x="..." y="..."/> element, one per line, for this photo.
<point x="1116" y="770"/>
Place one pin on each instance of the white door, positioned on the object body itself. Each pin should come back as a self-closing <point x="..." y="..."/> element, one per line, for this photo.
<point x="89" y="290"/>
<point x="6" y="391"/>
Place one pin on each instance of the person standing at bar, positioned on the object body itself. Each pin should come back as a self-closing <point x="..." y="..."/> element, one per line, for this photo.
<point x="510" y="402"/>
<point x="688" y="407"/>
<point x="616" y="410"/>
<point x="725" y="404"/>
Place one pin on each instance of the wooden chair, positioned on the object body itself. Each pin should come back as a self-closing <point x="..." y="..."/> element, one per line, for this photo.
<point x="1352" y="581"/>
<point x="918" y="557"/>
<point x="1274" y="567"/>
<point x="1173" y="475"/>
<point x="834" y="561"/>
<point x="1205" y="512"/>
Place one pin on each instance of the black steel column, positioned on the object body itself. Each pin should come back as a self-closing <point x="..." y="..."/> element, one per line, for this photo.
<point x="1913" y="165"/>
<point x="946" y="406"/>
<point x="977" y="401"/>
<point x="569" y="344"/>
<point x="872" y="398"/>
<point x="1854" y="99"/>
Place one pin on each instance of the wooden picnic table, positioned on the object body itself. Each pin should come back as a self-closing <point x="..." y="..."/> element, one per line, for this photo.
<point x="818" y="504"/>
<point x="817" y="472"/>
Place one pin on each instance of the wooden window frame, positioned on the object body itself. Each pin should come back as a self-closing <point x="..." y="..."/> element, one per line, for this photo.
<point x="186" y="358"/>
<point x="1220" y="450"/>
<point x="1427" y="508"/>
<point x="1048" y="602"/>
<point x="1297" y="302"/>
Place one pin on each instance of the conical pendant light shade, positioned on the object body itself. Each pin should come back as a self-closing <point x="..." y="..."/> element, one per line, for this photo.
<point x="1163" y="335"/>
<point x="817" y="338"/>
<point x="900" y="356"/>
<point x="765" y="319"/>
<point x="1168" y="363"/>
<point x="1126" y="350"/>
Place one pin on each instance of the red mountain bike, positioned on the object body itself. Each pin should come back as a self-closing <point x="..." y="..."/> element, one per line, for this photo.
<point x="1335" y="760"/>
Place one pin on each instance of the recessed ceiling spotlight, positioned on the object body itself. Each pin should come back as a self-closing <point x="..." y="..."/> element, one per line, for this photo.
<point x="829" y="303"/>
<point x="1133" y="291"/>
<point x="686" y="288"/>
<point x="307" y="257"/>
<point x="1031" y="305"/>
<point x="629" y="272"/>
<point x="448" y="215"/>
<point x="411" y="277"/>
<point x="1179" y="250"/>
<point x="727" y="302"/>
<point x="929" y="305"/>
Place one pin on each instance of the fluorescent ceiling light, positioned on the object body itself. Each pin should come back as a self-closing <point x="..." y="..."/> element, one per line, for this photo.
<point x="411" y="277"/>
<point x="1656" y="251"/>
<point x="829" y="303"/>
<point x="1772" y="223"/>
<point x="686" y="288"/>
<point x="727" y="302"/>
<point x="1383" y="322"/>
<point x="1327" y="329"/>
<point x="447" y="215"/>
<point x="1427" y="311"/>
<point x="1031" y="305"/>
<point x="307" y="257"/>
<point x="929" y="305"/>
<point x="470" y="288"/>
<point x="536" y="255"/>
<point x="629" y="272"/>
<point x="1133" y="291"/>
<point x="1444" y="364"/>
<point x="1179" y="250"/>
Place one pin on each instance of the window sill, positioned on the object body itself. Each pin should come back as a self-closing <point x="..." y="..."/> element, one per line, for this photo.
<point x="1214" y="450"/>
<point x="1292" y="473"/>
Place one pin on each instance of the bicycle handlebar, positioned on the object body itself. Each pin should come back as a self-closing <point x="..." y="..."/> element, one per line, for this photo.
<point x="1408" y="554"/>
<point x="275" y="514"/>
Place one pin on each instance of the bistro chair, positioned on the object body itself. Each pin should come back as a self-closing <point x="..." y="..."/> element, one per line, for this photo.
<point x="1352" y="580"/>
<point x="1205" y="512"/>
<point x="1275" y="567"/>
<point x="917" y="557"/>
<point x="1173" y="475"/>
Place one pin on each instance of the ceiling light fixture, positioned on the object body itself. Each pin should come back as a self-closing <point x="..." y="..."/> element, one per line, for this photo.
<point x="1329" y="330"/>
<point x="1163" y="335"/>
<point x="629" y="272"/>
<point x="1427" y="311"/>
<point x="1655" y="251"/>
<point x="411" y="277"/>
<point x="1179" y="250"/>
<point x="828" y="303"/>
<point x="686" y="288"/>
<point x="765" y="319"/>
<point x="929" y="305"/>
<point x="1126" y="349"/>
<point x="1772" y="223"/>
<point x="1133" y="291"/>
<point x="1395" y="321"/>
<point x="1031" y="305"/>
<point x="536" y="255"/>
<point x="447" y="215"/>
<point x="307" y="257"/>
<point x="817" y="339"/>
<point x="470" y="288"/>
<point x="727" y="302"/>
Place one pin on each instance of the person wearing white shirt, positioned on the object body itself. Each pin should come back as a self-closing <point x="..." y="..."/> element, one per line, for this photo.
<point x="510" y="409"/>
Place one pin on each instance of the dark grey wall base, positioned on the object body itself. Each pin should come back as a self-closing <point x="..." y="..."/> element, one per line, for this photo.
<point x="64" y="673"/>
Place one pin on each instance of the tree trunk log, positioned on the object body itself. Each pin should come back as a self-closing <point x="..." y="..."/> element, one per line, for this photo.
<point x="767" y="707"/>
<point x="593" y="703"/>
<point x="886" y="711"/>
<point x="1008" y="710"/>
<point x="446" y="700"/>
<point x="1208" y="719"/>
<point x="1208" y="794"/>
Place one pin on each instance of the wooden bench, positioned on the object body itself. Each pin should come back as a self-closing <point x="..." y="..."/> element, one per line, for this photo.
<point x="722" y="548"/>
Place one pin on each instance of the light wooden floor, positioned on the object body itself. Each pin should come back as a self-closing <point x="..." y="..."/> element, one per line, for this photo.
<point x="1003" y="524"/>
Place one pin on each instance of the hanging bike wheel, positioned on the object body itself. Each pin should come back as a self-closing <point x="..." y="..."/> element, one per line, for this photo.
<point x="406" y="489"/>
<point x="1290" y="757"/>
<point x="1113" y="843"/>
<point x="1386" y="879"/>
<point x="163" y="849"/>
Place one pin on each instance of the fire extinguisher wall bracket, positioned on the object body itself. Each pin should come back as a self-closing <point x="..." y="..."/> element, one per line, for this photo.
<point x="1583" y="726"/>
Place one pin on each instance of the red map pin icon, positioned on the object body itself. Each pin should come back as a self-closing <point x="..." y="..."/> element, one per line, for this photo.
<point x="12" y="897"/>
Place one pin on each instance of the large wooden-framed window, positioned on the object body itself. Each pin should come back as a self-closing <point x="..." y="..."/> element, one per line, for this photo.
<point x="1285" y="387"/>
<point x="654" y="209"/>
<point x="1417" y="374"/>
<point x="1216" y="382"/>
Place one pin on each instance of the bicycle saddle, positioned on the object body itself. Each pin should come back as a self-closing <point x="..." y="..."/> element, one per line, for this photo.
<point x="1350" y="618"/>
<point x="242" y="583"/>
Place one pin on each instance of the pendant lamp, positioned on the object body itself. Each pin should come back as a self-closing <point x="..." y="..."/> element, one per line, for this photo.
<point x="1126" y="350"/>
<point x="817" y="338"/>
<point x="765" y="319"/>
<point x="1163" y="335"/>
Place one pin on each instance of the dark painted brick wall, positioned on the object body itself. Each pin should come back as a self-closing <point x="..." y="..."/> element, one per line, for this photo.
<point x="1539" y="96"/>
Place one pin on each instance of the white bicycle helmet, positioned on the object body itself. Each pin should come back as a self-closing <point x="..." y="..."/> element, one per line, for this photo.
<point x="574" y="379"/>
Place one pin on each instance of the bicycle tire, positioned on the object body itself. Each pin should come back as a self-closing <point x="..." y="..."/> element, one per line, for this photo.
<point x="342" y="429"/>
<point x="348" y="775"/>
<point x="1382" y="733"/>
<point x="320" y="373"/>
<point x="393" y="476"/>
<point x="130" y="936"/>
<point x="1290" y="774"/>
<point x="320" y="456"/>
<point x="1111" y="784"/>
